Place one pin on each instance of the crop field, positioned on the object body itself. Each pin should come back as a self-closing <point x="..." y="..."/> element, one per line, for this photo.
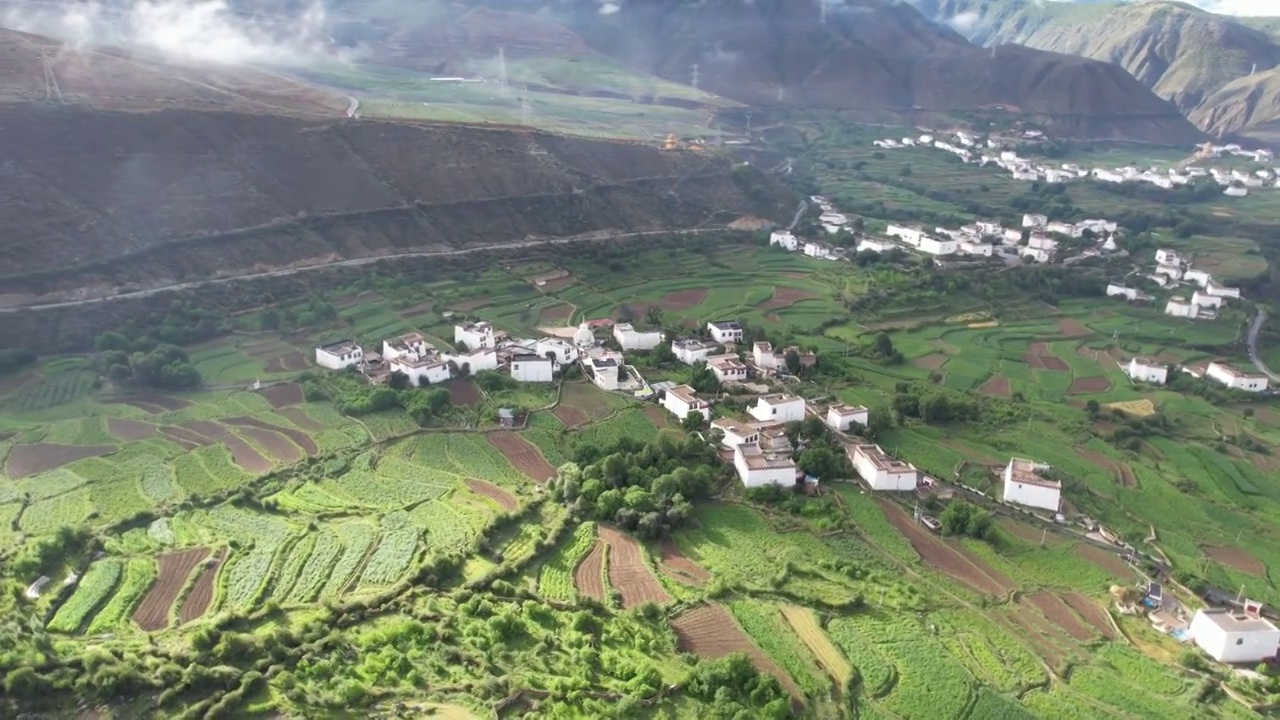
<point x="174" y="570"/>
<point x="91" y="592"/>
<point x="710" y="631"/>
<point x="556" y="578"/>
<point x="629" y="571"/>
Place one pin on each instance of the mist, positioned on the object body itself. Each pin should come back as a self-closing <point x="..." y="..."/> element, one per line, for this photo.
<point x="200" y="31"/>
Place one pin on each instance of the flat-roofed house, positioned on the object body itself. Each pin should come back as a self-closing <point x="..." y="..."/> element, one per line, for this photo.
<point x="842" y="417"/>
<point x="532" y="368"/>
<point x="1234" y="379"/>
<point x="756" y="468"/>
<point x="425" y="369"/>
<point x="631" y="339"/>
<point x="1024" y="485"/>
<point x="736" y="432"/>
<point x="410" y="344"/>
<point x="604" y="372"/>
<point x="778" y="408"/>
<point x="881" y="471"/>
<point x="1142" y="369"/>
<point x="1231" y="638"/>
<point x="339" y="355"/>
<point x="725" y="331"/>
<point x="475" y="335"/>
<point x="682" y="400"/>
<point x="728" y="368"/>
<point x="692" y="351"/>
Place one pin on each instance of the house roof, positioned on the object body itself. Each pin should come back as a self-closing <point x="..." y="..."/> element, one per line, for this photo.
<point x="422" y="361"/>
<point x="727" y="363"/>
<point x="688" y="395"/>
<point x="1147" y="362"/>
<point x="530" y="358"/>
<point x="757" y="459"/>
<point x="603" y="362"/>
<point x="1229" y="622"/>
<point x="779" y="399"/>
<point x="737" y="427"/>
<point x="692" y="344"/>
<point x="1027" y="472"/>
<point x="726" y="325"/>
<point x="879" y="458"/>
<point x="477" y="327"/>
<point x="506" y="414"/>
<point x="340" y="347"/>
<point x="1228" y="370"/>
<point x="842" y="409"/>
<point x="763" y="347"/>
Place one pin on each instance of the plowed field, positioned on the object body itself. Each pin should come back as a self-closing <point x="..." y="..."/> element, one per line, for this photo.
<point x="1106" y="560"/>
<point x="1091" y="612"/>
<point x="523" y="456"/>
<point x="680" y="568"/>
<point x="629" y="574"/>
<point x="997" y="386"/>
<point x="130" y="430"/>
<point x="174" y="569"/>
<point x="27" y="460"/>
<point x="1070" y="327"/>
<point x="588" y="577"/>
<point x="465" y="393"/>
<point x="1084" y="385"/>
<point x="938" y="554"/>
<point x="505" y="500"/>
<point x="784" y="297"/>
<point x="657" y="416"/>
<point x="571" y="416"/>
<point x="1119" y="470"/>
<point x="1052" y="607"/>
<point x="709" y="631"/>
<point x="242" y="453"/>
<point x="201" y="596"/>
<point x="300" y="418"/>
<point x="299" y="438"/>
<point x="1237" y="558"/>
<point x="682" y="300"/>
<point x="282" y="395"/>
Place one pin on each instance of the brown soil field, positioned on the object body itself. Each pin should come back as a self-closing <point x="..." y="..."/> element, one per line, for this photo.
<point x="637" y="311"/>
<point x="1061" y="615"/>
<point x="300" y="418"/>
<point x="1108" y="561"/>
<point x="167" y="402"/>
<point x="681" y="568"/>
<point x="27" y="460"/>
<point x="557" y="284"/>
<point x="130" y="430"/>
<point x="1033" y="361"/>
<point x="709" y="631"/>
<point x="629" y="574"/>
<point x="555" y="314"/>
<point x="682" y="300"/>
<point x="187" y="439"/>
<point x="570" y="415"/>
<point x="1071" y="327"/>
<point x="465" y="393"/>
<point x="657" y="416"/>
<point x="469" y="305"/>
<point x="938" y="554"/>
<point x="932" y="361"/>
<point x="1056" y="364"/>
<point x="143" y="405"/>
<point x="983" y="566"/>
<point x="201" y="595"/>
<point x="505" y="500"/>
<point x="242" y="453"/>
<point x="1120" y="471"/>
<point x="298" y="437"/>
<point x="1039" y="634"/>
<point x="276" y="445"/>
<point x="293" y="361"/>
<point x="1091" y="612"/>
<point x="283" y="395"/>
<point x="522" y="455"/>
<point x="174" y="568"/>
<point x="1027" y="533"/>
<point x="1237" y="558"/>
<point x="997" y="386"/>
<point x="1266" y="415"/>
<point x="421" y="308"/>
<point x="1082" y="385"/>
<point x="586" y="397"/>
<point x="588" y="577"/>
<point x="784" y="297"/>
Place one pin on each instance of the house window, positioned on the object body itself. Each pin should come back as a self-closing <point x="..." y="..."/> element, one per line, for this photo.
<point x="1239" y="641"/>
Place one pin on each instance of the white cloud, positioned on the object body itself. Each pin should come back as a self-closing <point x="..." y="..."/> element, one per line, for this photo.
<point x="964" y="22"/>
<point x="609" y="8"/>
<point x="197" y="31"/>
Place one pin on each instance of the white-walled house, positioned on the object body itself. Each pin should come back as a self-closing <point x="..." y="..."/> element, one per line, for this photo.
<point x="842" y="417"/>
<point x="784" y="239"/>
<point x="692" y="351"/>
<point x="778" y="408"/>
<point x="725" y="331"/>
<point x="1127" y="293"/>
<point x="1235" y="379"/>
<point x="727" y="368"/>
<point x="422" y="370"/>
<point x="757" y="468"/>
<point x="1199" y="277"/>
<point x="736" y="432"/>
<point x="411" y="344"/>
<point x="563" y="352"/>
<point x="1034" y="221"/>
<point x="631" y="339"/>
<point x="1205" y="300"/>
<point x="604" y="372"/>
<point x="1142" y="369"/>
<point x="974" y="247"/>
<point x="532" y="368"/>
<point x="475" y="335"/>
<point x="936" y="246"/>
<point x="1168" y="256"/>
<point x="881" y="471"/>
<point x="764" y="357"/>
<point x="1023" y="485"/>
<point x="1179" y="306"/>
<point x="681" y="400"/>
<point x="1214" y="288"/>
<point x="909" y="234"/>
<point x="474" y="361"/>
<point x="1232" y="639"/>
<point x="339" y="355"/>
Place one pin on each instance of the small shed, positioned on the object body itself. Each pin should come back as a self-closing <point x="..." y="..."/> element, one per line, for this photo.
<point x="507" y="417"/>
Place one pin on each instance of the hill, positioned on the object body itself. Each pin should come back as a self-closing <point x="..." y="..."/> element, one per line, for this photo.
<point x="1182" y="53"/>
<point x="1248" y="106"/>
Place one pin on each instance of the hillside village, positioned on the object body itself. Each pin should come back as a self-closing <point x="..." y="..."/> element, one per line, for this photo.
<point x="973" y="149"/>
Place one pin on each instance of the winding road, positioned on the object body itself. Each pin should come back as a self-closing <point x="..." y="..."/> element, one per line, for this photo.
<point x="353" y="110"/>
<point x="1255" y="326"/>
<point x="354" y="262"/>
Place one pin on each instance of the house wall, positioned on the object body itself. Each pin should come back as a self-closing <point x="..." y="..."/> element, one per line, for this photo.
<point x="1232" y="647"/>
<point x="760" y="477"/>
<point x="432" y="374"/>
<point x="884" y="480"/>
<point x="565" y="353"/>
<point x="532" y="370"/>
<point x="785" y="412"/>
<point x="844" y="422"/>
<point x="606" y="378"/>
<point x="725" y="336"/>
<point x="1146" y="373"/>
<point x="1037" y="496"/>
<point x="733" y="440"/>
<point x="637" y="340"/>
<point x="691" y="356"/>
<point x="338" y="362"/>
<point x="765" y="360"/>
<point x="681" y="409"/>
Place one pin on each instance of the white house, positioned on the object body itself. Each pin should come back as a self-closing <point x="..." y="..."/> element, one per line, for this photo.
<point x="736" y="432"/>
<point x="631" y="339"/>
<point x="778" y="408"/>
<point x="692" y="351"/>
<point x="725" y="331"/>
<point x="532" y="368"/>
<point x="1179" y="306"/>
<point x="1198" y="277"/>
<point x="971" y="247"/>
<point x="764" y="357"/>
<point x="1214" y="288"/>
<point x="474" y="361"/>
<point x="880" y="471"/>
<point x="909" y="234"/>
<point x="842" y="417"/>
<point x="727" y="368"/>
<point x="821" y="251"/>
<point x="1023" y="485"/>
<point x="1168" y="256"/>
<point x="1036" y="254"/>
<point x="339" y="355"/>
<point x="1142" y="369"/>
<point x="604" y="373"/>
<point x="1127" y="293"/>
<point x="475" y="335"/>
<point x="1232" y="639"/>
<point x="1234" y="191"/>
<point x="1205" y="300"/>
<point x="427" y="369"/>
<point x="1235" y="379"/>
<point x="411" y="344"/>
<point x="757" y="468"/>
<point x="1062" y="228"/>
<point x="681" y="400"/>
<point x="584" y="336"/>
<point x="784" y="239"/>
<point x="1034" y="221"/>
<point x="937" y="246"/>
<point x="1174" y="272"/>
<point x="562" y="352"/>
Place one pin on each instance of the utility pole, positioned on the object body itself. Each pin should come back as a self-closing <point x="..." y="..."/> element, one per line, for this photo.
<point x="749" y="124"/>
<point x="502" y="71"/>
<point x="524" y="105"/>
<point x="694" y="76"/>
<point x="822" y="11"/>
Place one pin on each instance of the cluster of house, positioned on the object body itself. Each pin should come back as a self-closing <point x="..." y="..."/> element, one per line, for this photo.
<point x="1172" y="270"/>
<point x="478" y="347"/>
<point x="971" y="149"/>
<point x="786" y="240"/>
<point x="1148" y="370"/>
<point x="988" y="237"/>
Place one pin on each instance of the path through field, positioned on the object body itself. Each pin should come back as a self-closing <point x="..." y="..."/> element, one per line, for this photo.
<point x="940" y="556"/>
<point x="629" y="574"/>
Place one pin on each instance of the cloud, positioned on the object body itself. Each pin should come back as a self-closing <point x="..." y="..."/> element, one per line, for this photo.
<point x="194" y="31"/>
<point x="609" y="8"/>
<point x="1263" y="8"/>
<point x="964" y="22"/>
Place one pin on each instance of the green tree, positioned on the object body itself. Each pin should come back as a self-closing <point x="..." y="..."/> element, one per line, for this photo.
<point x="693" y="421"/>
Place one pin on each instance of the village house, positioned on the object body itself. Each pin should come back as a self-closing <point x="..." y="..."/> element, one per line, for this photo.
<point x="475" y="361"/>
<point x="1062" y="228"/>
<point x="937" y="246"/>
<point x="1214" y="288"/>
<point x="725" y="331"/>
<point x="410" y="344"/>
<point x="692" y="351"/>
<point x="909" y="234"/>
<point x="778" y="408"/>
<point x="1034" y="221"/>
<point x="763" y="356"/>
<point x="1230" y="638"/>
<point x="784" y="239"/>
<point x="821" y="251"/>
<point x="773" y="437"/>
<point x="842" y="417"/>
<point x="1179" y="306"/>
<point x="1236" y="191"/>
<point x="562" y="352"/>
<point x="532" y="368"/>
<point x="1167" y="256"/>
<point x="682" y="400"/>
<point x="880" y="471"/>
<point x="973" y="247"/>
<point x="1127" y="293"/>
<point x="631" y="339"/>
<point x="735" y="432"/>
<point x="1205" y="300"/>
<point x="756" y="468"/>
<point x="1024" y="485"/>
<point x="1234" y="379"/>
<point x="1199" y="277"/>
<point x="1142" y="369"/>
<point x="727" y="368"/>
<point x="426" y="369"/>
<point x="604" y="372"/>
<point x="1173" y="272"/>
<point x="475" y="335"/>
<point x="339" y="355"/>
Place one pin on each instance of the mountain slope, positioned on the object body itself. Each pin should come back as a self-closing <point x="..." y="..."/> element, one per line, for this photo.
<point x="871" y="55"/>
<point x="1182" y="53"/>
<point x="1248" y="107"/>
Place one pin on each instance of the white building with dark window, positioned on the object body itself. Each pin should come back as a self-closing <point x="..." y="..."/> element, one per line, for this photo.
<point x="842" y="417"/>
<point x="1146" y="370"/>
<point x="428" y="369"/>
<point x="475" y="335"/>
<point x="1235" y="379"/>
<point x="881" y="471"/>
<point x="736" y="432"/>
<point x="411" y="344"/>
<point x="784" y="239"/>
<point x="756" y="468"/>
<point x="725" y="331"/>
<point x="339" y="355"/>
<point x="604" y="372"/>
<point x="631" y="339"/>
<point x="532" y="368"/>
<point x="727" y="368"/>
<point x="692" y="351"/>
<point x="778" y="408"/>
<point x="562" y="352"/>
<point x="1024" y="485"/>
<point x="682" y="400"/>
<point x="1230" y="638"/>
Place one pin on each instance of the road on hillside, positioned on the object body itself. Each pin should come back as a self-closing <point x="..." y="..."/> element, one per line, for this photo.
<point x="354" y="262"/>
<point x="1254" y="328"/>
<point x="353" y="110"/>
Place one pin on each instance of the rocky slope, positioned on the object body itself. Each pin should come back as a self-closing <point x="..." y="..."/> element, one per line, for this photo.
<point x="1182" y="53"/>
<point x="1248" y="107"/>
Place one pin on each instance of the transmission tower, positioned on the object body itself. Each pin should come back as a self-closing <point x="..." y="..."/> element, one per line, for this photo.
<point x="1254" y="70"/>
<point x="502" y="71"/>
<point x="822" y="11"/>
<point x="783" y="91"/>
<point x="50" y="80"/>
<point x="749" y="124"/>
<point x="524" y="105"/>
<point x="694" y="76"/>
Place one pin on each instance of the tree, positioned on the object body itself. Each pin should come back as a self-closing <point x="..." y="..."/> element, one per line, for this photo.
<point x="703" y="379"/>
<point x="692" y="422"/>
<point x="654" y="316"/>
<point x="965" y="518"/>
<point x="822" y="462"/>
<point x="399" y="380"/>
<point x="905" y="170"/>
<point x="880" y="419"/>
